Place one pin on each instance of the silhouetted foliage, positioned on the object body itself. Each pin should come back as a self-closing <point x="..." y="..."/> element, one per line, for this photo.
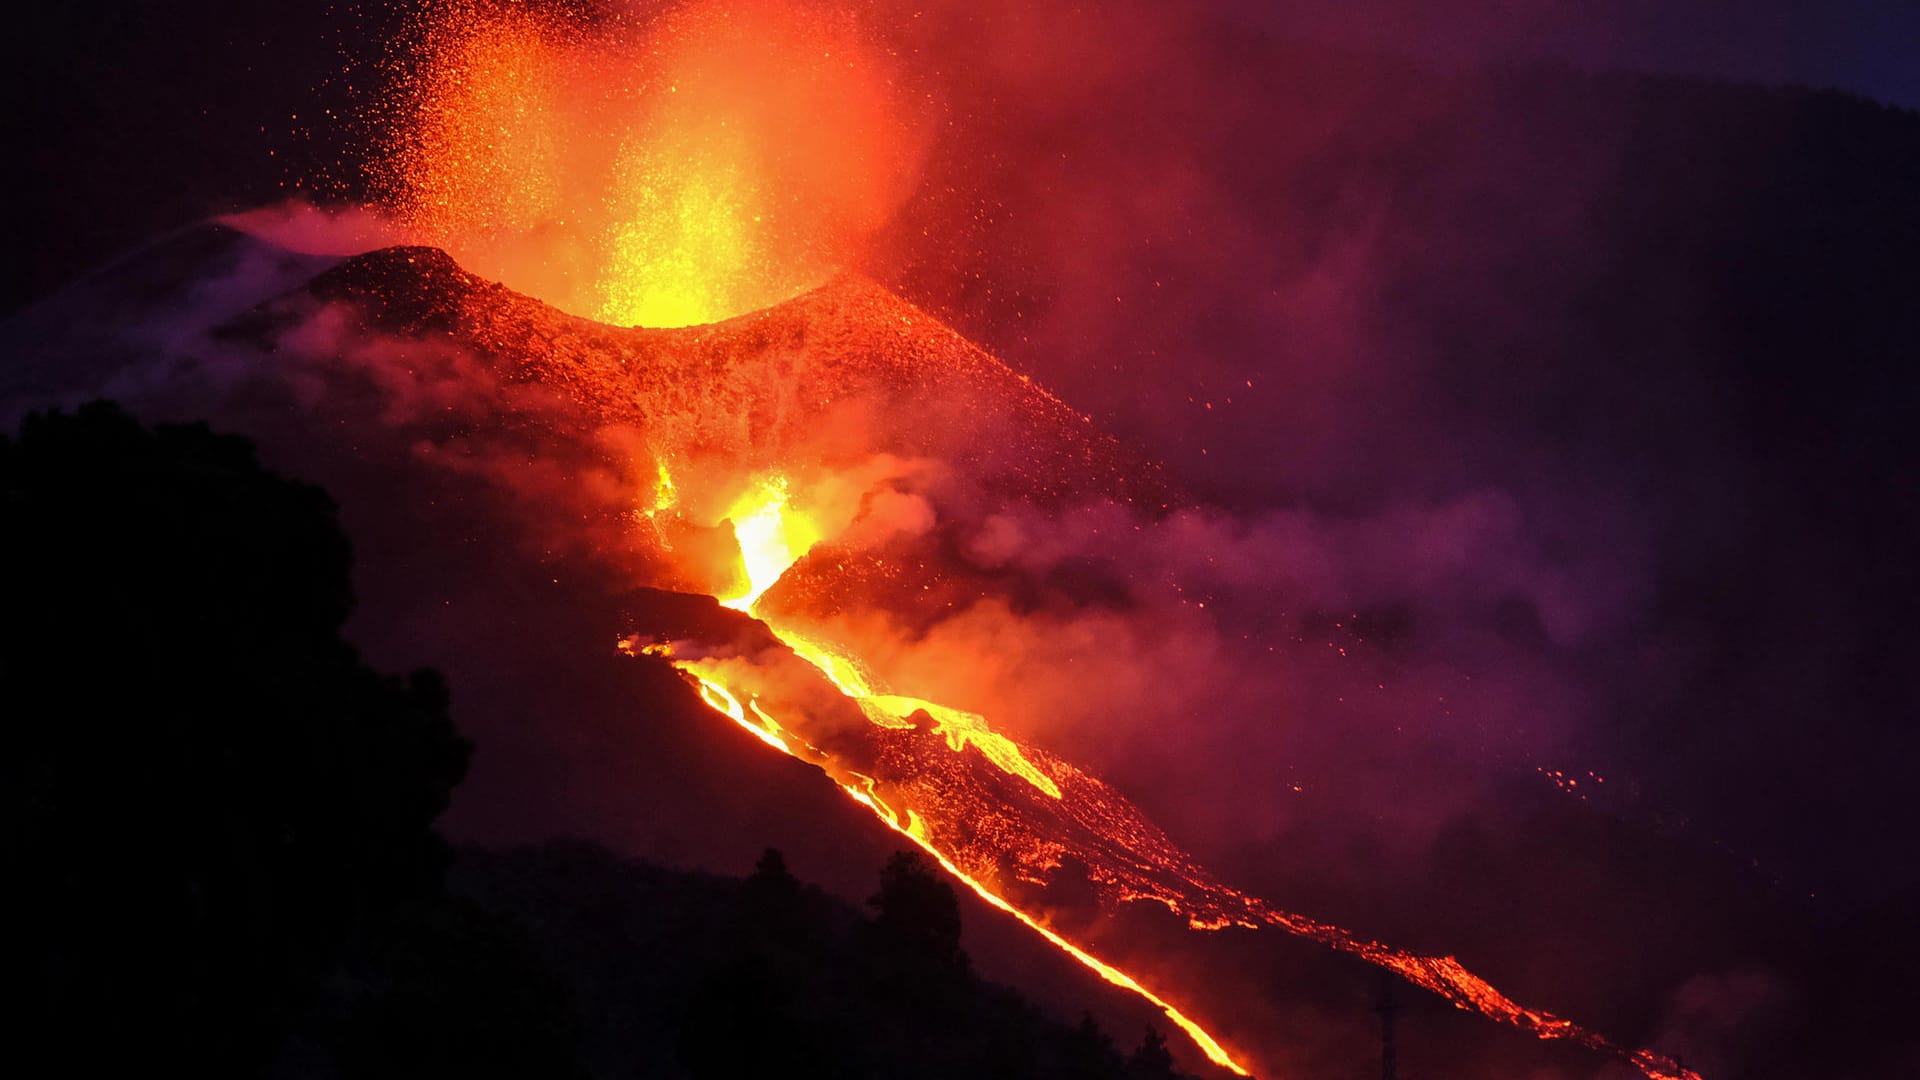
<point x="674" y="975"/>
<point x="1090" y="1052"/>
<point x="208" y="794"/>
<point x="745" y="1018"/>
<point x="1151" y="1060"/>
<point x="770" y="874"/>
<point x="917" y="912"/>
<point x="747" y="1021"/>
<point x="458" y="992"/>
<point x="773" y="897"/>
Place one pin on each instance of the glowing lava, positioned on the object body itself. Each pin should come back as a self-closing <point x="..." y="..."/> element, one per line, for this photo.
<point x="659" y="168"/>
<point x="685" y="242"/>
<point x="1208" y="1046"/>
<point x="1004" y="818"/>
<point x="1065" y="812"/>
<point x="771" y="540"/>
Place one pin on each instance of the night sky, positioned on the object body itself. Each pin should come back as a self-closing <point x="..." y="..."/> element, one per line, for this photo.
<point x="1540" y="377"/>
<point x="1858" y="46"/>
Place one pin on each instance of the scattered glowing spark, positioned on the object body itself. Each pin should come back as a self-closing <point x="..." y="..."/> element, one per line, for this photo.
<point x="711" y="159"/>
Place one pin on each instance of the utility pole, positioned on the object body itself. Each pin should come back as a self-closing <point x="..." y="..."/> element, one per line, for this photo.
<point x="1388" y="1008"/>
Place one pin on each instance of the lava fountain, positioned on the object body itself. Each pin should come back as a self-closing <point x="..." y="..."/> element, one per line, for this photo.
<point x="660" y="169"/>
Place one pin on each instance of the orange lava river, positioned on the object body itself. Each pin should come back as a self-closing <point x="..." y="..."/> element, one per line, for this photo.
<point x="1055" y="808"/>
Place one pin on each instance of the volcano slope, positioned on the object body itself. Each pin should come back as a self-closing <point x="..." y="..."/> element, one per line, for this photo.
<point x="821" y="465"/>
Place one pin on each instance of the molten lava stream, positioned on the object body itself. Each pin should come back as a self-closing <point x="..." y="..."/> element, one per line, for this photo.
<point x="1114" y="975"/>
<point x="772" y="540"/>
<point x="722" y="701"/>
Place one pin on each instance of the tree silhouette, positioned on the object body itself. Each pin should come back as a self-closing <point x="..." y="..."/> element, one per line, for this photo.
<point x="460" y="992"/>
<point x="208" y="793"/>
<point x="1151" y="1059"/>
<point x="917" y="912"/>
<point x="1089" y="1052"/>
<point x="744" y="1022"/>
<point x="746" y="1019"/>
<point x="772" y="892"/>
<point x="777" y="907"/>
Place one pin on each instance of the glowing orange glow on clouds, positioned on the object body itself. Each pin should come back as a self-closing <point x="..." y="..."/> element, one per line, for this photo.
<point x="655" y="170"/>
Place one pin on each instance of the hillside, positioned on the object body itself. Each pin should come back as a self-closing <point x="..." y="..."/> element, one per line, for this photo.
<point x="678" y="974"/>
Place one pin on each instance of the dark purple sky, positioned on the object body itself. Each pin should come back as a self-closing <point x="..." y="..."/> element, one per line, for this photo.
<point x="1863" y="46"/>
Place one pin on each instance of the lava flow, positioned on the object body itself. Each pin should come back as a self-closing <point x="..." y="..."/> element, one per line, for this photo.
<point x="771" y="540"/>
<point x="878" y="400"/>
<point x="1056" y="810"/>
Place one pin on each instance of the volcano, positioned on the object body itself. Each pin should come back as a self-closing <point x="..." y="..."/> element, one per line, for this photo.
<point x="828" y="471"/>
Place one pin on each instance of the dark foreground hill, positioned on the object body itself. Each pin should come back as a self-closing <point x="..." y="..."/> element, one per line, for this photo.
<point x="222" y="831"/>
<point x="670" y="973"/>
